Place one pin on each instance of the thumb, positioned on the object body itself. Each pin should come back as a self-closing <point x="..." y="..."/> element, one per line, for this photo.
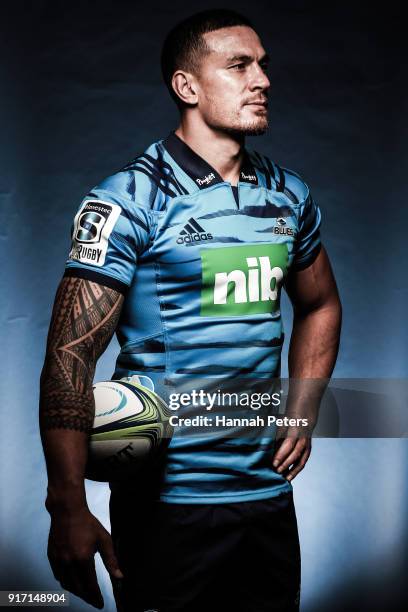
<point x="109" y="559"/>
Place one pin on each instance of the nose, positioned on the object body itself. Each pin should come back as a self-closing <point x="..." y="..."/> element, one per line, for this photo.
<point x="259" y="79"/>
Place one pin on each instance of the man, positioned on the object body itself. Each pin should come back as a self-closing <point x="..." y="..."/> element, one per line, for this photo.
<point x="183" y="253"/>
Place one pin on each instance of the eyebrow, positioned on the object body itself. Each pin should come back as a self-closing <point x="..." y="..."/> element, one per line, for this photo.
<point x="248" y="58"/>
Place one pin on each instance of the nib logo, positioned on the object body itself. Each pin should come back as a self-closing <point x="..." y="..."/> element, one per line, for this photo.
<point x="193" y="232"/>
<point x="242" y="280"/>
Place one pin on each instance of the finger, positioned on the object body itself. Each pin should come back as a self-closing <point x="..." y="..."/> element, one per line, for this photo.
<point x="62" y="573"/>
<point x="74" y="578"/>
<point x="87" y="583"/>
<point x="294" y="456"/>
<point x="62" y="570"/>
<point x="69" y="582"/>
<point x="66" y="580"/>
<point x="109" y="559"/>
<point x="281" y="433"/>
<point x="285" y="448"/>
<point x="300" y="465"/>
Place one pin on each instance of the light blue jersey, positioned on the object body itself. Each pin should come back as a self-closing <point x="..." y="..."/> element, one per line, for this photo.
<point x="201" y="265"/>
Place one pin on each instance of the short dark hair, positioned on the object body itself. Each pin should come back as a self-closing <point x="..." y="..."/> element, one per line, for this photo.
<point x="184" y="45"/>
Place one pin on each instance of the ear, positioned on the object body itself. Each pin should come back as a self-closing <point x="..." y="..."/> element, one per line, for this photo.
<point x="184" y="85"/>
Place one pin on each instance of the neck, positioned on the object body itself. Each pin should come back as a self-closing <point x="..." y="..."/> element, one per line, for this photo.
<point x="224" y="152"/>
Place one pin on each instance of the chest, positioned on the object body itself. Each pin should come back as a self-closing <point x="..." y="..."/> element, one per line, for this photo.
<point x="215" y="220"/>
<point x="235" y="256"/>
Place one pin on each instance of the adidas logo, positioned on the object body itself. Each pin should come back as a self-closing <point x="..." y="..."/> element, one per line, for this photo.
<point x="192" y="232"/>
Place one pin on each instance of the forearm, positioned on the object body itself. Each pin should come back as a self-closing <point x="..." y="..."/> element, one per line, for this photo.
<point x="66" y="453"/>
<point x="312" y="356"/>
<point x="84" y="318"/>
<point x="314" y="342"/>
<point x="65" y="422"/>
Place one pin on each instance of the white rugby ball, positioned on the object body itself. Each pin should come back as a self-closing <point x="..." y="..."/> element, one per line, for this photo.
<point x="131" y="428"/>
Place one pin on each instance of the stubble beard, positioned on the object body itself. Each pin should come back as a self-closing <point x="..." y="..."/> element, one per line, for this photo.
<point x="236" y="126"/>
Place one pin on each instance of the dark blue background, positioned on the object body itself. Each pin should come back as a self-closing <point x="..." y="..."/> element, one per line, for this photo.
<point x="81" y="95"/>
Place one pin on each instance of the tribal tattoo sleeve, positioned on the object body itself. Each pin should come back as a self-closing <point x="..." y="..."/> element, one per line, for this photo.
<point x="84" y="318"/>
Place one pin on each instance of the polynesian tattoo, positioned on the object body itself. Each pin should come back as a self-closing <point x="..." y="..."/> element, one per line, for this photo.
<point x="84" y="318"/>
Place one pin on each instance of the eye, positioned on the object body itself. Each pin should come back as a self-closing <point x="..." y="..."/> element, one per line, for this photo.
<point x="264" y="67"/>
<point x="240" y="66"/>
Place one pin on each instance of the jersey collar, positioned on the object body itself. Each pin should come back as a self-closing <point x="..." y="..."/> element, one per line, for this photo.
<point x="198" y="169"/>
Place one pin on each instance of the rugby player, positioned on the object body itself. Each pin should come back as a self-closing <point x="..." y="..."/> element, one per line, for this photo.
<point x="183" y="253"/>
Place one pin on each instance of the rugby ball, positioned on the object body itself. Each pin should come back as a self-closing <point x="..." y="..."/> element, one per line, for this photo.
<point x="131" y="430"/>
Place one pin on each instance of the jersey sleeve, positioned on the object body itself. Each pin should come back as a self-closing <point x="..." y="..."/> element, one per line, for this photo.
<point x="308" y="239"/>
<point x="108" y="235"/>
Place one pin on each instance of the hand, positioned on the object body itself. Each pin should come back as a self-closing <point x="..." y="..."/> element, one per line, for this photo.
<point x="291" y="456"/>
<point x="75" y="537"/>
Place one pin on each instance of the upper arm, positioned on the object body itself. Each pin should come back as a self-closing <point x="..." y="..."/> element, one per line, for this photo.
<point x="312" y="287"/>
<point x="310" y="283"/>
<point x="84" y="318"/>
<point x="109" y="234"/>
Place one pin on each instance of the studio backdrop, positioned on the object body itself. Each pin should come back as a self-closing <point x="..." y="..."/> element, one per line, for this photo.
<point x="81" y="95"/>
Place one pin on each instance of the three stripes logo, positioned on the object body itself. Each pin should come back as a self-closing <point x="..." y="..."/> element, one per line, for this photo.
<point x="193" y="232"/>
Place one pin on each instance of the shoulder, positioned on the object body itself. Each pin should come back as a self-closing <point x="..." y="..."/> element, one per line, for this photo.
<point x="146" y="181"/>
<point x="281" y="178"/>
<point x="295" y="183"/>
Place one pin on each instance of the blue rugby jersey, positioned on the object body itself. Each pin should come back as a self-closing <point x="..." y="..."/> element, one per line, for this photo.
<point x="201" y="265"/>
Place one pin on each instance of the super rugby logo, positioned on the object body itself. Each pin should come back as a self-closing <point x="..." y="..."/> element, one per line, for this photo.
<point x="90" y="224"/>
<point x="193" y="232"/>
<point x="81" y="253"/>
<point x="92" y="227"/>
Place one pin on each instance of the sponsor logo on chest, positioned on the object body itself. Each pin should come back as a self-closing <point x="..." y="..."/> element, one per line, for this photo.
<point x="242" y="280"/>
